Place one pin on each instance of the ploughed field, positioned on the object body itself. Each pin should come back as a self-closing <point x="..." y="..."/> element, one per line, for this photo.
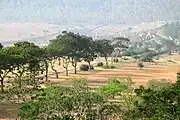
<point x="160" y="69"/>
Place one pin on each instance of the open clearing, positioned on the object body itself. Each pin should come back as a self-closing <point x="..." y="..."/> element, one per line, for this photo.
<point x="140" y="77"/>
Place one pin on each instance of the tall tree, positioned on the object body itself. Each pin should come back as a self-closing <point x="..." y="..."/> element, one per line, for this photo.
<point x="120" y="43"/>
<point x="90" y="53"/>
<point x="29" y="56"/>
<point x="1" y="46"/>
<point x="7" y="64"/>
<point x="105" y="49"/>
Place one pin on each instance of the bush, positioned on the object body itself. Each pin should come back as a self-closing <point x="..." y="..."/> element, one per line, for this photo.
<point x="125" y="59"/>
<point x="86" y="67"/>
<point x="109" y="67"/>
<point x="100" y="64"/>
<point x="136" y="57"/>
<point x="114" y="87"/>
<point x="154" y="104"/>
<point x="159" y="84"/>
<point x="116" y="60"/>
<point x="146" y="59"/>
<point x="68" y="103"/>
<point x="140" y="65"/>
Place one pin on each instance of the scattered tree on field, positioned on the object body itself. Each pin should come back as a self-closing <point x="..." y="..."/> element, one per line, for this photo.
<point x="105" y="49"/>
<point x="140" y="65"/>
<point x="120" y="43"/>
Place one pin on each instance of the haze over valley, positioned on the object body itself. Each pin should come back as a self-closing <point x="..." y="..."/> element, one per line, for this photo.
<point x="42" y="20"/>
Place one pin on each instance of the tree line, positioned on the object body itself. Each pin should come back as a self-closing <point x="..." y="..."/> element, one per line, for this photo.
<point x="27" y="60"/>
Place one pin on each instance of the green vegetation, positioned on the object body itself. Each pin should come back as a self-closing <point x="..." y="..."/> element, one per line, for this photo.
<point x="140" y="65"/>
<point x="86" y="67"/>
<point x="114" y="87"/>
<point x="59" y="103"/>
<point x="105" y="49"/>
<point x="24" y="65"/>
<point x="100" y="64"/>
<point x="80" y="102"/>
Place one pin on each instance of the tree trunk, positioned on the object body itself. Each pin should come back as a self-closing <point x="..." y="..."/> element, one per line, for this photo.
<point x="75" y="70"/>
<point x="46" y="76"/>
<point x="169" y="53"/>
<point x="89" y="63"/>
<point x="57" y="76"/>
<point x="106" y="62"/>
<point x="59" y="61"/>
<point x="20" y="83"/>
<point x="34" y="80"/>
<point x="75" y="67"/>
<point x="74" y="64"/>
<point x="2" y="85"/>
<point x="20" y="79"/>
<point x="101" y="116"/>
<point x="66" y="71"/>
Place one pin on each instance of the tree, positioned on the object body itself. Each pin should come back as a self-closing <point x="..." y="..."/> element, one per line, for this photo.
<point x="69" y="47"/>
<point x="7" y="64"/>
<point x="76" y="43"/>
<point x="46" y="63"/>
<point x="54" y="53"/>
<point x="162" y="103"/>
<point x="140" y="65"/>
<point x="90" y="53"/>
<point x="104" y="48"/>
<point x="66" y="61"/>
<point x="1" y="46"/>
<point x="30" y="58"/>
<point x="120" y="43"/>
<point x="63" y="45"/>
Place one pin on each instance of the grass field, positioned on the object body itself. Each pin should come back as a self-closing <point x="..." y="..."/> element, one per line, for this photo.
<point x="164" y="68"/>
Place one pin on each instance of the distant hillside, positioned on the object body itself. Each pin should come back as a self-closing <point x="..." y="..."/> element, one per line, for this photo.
<point x="171" y="30"/>
<point x="41" y="32"/>
<point x="89" y="11"/>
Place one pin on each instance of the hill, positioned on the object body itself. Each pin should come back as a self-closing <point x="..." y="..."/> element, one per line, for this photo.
<point x="89" y="11"/>
<point x="40" y="33"/>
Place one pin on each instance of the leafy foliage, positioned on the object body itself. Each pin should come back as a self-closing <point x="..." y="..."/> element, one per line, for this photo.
<point x="158" y="104"/>
<point x="114" y="87"/>
<point x="104" y="49"/>
<point x="140" y="65"/>
<point x="86" y="67"/>
<point x="100" y="64"/>
<point x="159" y="84"/>
<point x="76" y="102"/>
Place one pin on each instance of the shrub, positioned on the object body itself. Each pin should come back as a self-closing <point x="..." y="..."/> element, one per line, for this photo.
<point x="146" y="59"/>
<point x="136" y="57"/>
<point x="100" y="64"/>
<point x="125" y="59"/>
<point x="159" y="84"/>
<point x="114" y="87"/>
<point x="109" y="67"/>
<point x="115" y="60"/>
<point x="86" y="67"/>
<point x="140" y="65"/>
<point x="68" y="103"/>
<point x="153" y="104"/>
<point x="157" y="58"/>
